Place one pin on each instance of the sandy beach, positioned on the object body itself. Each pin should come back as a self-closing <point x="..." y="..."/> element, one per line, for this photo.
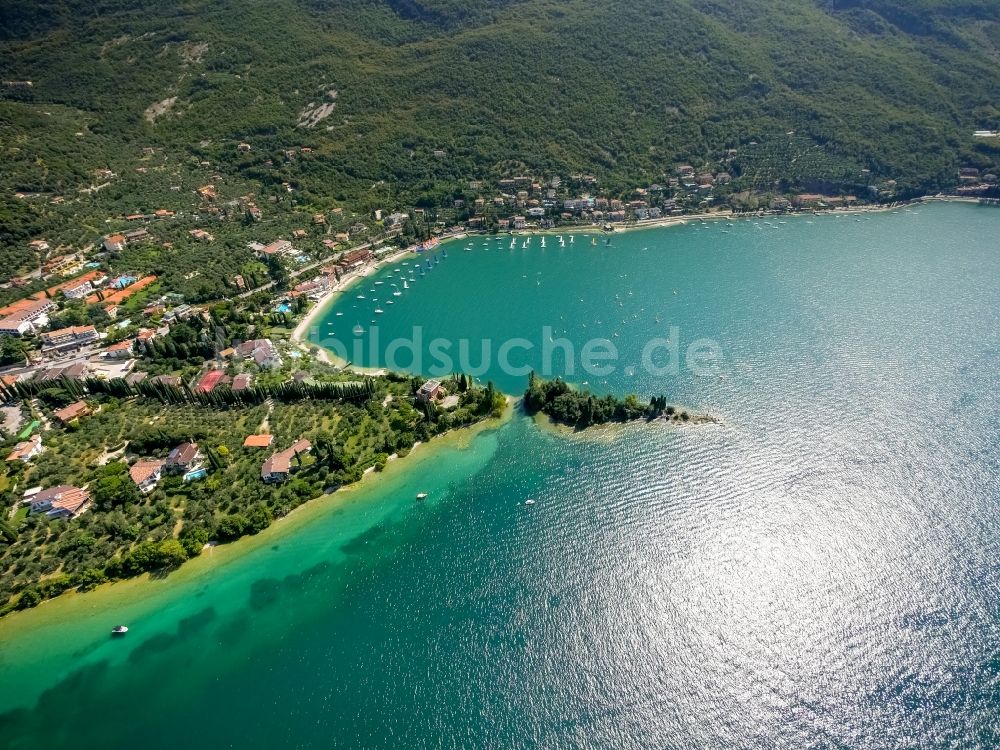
<point x="301" y="333"/>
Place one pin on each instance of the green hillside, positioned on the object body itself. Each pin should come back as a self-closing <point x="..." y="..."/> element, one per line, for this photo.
<point x="621" y="90"/>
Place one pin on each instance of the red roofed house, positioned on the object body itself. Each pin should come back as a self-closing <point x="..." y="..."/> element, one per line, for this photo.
<point x="114" y="243"/>
<point x="354" y="258"/>
<point x="277" y="467"/>
<point x="75" y="288"/>
<point x="800" y="200"/>
<point x="27" y="317"/>
<point x="61" y="502"/>
<point x="121" y="350"/>
<point x="75" y="371"/>
<point x="171" y="380"/>
<point x="146" y="474"/>
<point x="73" y="337"/>
<point x="258" y="441"/>
<point x="27" y="450"/>
<point x="278" y="247"/>
<point x="145" y="335"/>
<point x="262" y="352"/>
<point x="71" y="412"/>
<point x="182" y="459"/>
<point x="429" y="390"/>
<point x="242" y="381"/>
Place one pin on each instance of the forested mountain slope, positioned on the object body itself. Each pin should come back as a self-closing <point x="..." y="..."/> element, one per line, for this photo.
<point x="379" y="88"/>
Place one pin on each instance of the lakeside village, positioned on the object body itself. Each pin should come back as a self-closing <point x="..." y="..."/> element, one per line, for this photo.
<point x="146" y="416"/>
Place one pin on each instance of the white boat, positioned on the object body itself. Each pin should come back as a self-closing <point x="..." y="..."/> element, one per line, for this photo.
<point x="361" y="296"/>
<point x="379" y="311"/>
<point x="119" y="630"/>
<point x="529" y="501"/>
<point x="421" y="495"/>
<point x="397" y="293"/>
<point x="358" y="329"/>
<point x="405" y="285"/>
<point x="339" y="314"/>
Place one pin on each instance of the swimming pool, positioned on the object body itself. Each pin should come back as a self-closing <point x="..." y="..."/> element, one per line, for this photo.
<point x="196" y="474"/>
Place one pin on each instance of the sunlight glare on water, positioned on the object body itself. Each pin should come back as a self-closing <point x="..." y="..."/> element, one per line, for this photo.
<point x="818" y="570"/>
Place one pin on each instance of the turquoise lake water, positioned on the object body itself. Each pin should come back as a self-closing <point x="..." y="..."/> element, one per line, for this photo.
<point x="819" y="570"/>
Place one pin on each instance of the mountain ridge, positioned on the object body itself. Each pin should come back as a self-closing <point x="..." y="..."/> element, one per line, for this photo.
<point x="878" y="89"/>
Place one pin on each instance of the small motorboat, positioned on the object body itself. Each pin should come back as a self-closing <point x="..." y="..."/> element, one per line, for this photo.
<point x="119" y="630"/>
<point x="421" y="496"/>
<point x="529" y="501"/>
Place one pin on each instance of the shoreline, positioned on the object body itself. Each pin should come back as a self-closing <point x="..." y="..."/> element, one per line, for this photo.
<point x="140" y="592"/>
<point x="300" y="334"/>
<point x="680" y="220"/>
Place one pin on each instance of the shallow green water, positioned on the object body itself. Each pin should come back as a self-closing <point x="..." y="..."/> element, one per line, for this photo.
<point x="818" y="571"/>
